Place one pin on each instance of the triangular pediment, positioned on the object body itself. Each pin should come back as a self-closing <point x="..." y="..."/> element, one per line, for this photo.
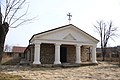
<point x="65" y="33"/>
<point x="69" y="37"/>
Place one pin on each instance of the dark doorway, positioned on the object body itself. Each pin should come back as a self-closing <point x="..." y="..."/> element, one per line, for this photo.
<point x="63" y="54"/>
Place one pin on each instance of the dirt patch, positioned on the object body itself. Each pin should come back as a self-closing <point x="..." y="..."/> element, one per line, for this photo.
<point x="102" y="71"/>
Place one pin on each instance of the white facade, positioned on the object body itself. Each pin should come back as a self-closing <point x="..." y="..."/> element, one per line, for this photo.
<point x="70" y="35"/>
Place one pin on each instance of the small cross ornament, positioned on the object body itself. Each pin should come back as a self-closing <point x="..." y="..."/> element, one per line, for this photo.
<point x="69" y="15"/>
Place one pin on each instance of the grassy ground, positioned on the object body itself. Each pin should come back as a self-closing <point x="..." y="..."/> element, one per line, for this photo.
<point x="102" y="71"/>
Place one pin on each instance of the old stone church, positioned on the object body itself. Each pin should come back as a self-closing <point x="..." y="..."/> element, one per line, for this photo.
<point x="66" y="44"/>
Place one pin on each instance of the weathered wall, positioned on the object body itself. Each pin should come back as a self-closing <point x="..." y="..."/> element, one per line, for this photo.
<point x="85" y="54"/>
<point x="47" y="53"/>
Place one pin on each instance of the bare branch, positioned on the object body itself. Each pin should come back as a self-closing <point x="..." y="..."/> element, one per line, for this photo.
<point x="11" y="9"/>
<point x="16" y="11"/>
<point x="8" y="9"/>
<point x="27" y="20"/>
<point x="106" y="31"/>
<point x="19" y="18"/>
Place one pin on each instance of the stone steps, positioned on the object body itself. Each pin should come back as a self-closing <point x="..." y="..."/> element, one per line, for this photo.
<point x="63" y="65"/>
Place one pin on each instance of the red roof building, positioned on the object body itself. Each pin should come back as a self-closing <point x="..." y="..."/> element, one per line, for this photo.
<point x="18" y="49"/>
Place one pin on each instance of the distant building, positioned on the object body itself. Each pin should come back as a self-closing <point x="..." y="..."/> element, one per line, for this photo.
<point x="18" y="51"/>
<point x="112" y="54"/>
<point x="14" y="56"/>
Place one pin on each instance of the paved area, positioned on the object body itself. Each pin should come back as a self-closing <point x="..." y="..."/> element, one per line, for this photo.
<point x="102" y="71"/>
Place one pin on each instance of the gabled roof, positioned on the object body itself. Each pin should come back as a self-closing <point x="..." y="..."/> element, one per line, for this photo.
<point x="18" y="49"/>
<point x="63" y="27"/>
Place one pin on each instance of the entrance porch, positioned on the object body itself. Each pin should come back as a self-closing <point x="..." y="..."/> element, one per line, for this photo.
<point x="64" y="44"/>
<point x="61" y="54"/>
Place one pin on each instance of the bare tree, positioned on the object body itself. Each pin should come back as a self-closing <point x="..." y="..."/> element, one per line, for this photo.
<point x="106" y="31"/>
<point x="10" y="15"/>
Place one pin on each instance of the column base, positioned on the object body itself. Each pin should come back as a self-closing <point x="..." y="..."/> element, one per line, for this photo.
<point x="78" y="62"/>
<point x="94" y="62"/>
<point x="57" y="62"/>
<point x="35" y="62"/>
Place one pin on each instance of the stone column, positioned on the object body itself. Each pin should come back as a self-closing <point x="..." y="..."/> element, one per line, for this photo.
<point x="31" y="59"/>
<point x="78" y="53"/>
<point x="57" y="54"/>
<point x="94" y="54"/>
<point x="28" y="54"/>
<point x="32" y="51"/>
<point x="37" y="54"/>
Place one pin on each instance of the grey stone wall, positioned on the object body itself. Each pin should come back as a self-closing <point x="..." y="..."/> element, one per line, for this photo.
<point x="85" y="53"/>
<point x="47" y="53"/>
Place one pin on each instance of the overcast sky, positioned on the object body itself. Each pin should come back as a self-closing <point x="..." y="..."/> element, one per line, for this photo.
<point x="53" y="13"/>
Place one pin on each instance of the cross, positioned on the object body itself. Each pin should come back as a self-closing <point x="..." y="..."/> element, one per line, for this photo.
<point x="69" y="15"/>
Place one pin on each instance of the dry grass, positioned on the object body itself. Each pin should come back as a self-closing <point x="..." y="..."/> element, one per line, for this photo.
<point x="4" y="76"/>
<point x="8" y="60"/>
<point x="102" y="71"/>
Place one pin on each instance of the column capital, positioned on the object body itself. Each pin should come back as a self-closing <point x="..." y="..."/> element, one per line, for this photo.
<point x="78" y="45"/>
<point x="37" y="43"/>
<point x="94" y="46"/>
<point x="57" y="44"/>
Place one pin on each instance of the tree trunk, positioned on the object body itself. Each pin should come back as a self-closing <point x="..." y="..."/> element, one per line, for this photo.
<point x="103" y="56"/>
<point x="3" y="32"/>
<point x="1" y="53"/>
<point x="103" y="53"/>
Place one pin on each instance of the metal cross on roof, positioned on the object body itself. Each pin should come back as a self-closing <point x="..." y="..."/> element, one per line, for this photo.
<point x="69" y="15"/>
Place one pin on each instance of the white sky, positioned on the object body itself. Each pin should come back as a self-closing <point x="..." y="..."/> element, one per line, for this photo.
<point x="53" y="13"/>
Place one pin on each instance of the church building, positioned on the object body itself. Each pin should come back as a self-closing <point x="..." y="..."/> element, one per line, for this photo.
<point x="66" y="44"/>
